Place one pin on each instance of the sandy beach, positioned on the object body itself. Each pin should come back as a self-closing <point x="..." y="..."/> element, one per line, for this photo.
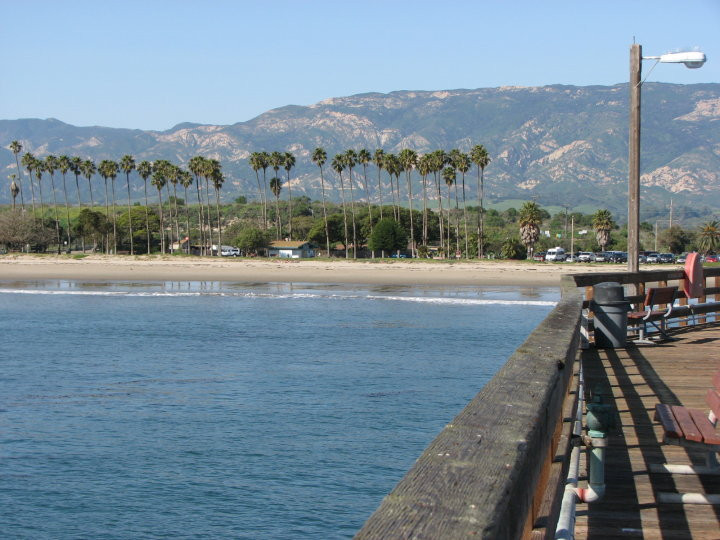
<point x="390" y="272"/>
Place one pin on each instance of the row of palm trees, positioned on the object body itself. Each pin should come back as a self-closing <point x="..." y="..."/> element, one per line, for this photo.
<point x="162" y="173"/>
<point x="440" y="164"/>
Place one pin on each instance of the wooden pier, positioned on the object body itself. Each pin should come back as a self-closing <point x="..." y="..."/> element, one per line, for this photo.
<point x="499" y="469"/>
<point x="634" y="380"/>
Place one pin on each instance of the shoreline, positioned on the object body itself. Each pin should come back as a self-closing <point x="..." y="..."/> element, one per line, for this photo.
<point x="22" y="267"/>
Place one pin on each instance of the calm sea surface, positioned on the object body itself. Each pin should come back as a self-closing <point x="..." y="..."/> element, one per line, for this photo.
<point x="209" y="410"/>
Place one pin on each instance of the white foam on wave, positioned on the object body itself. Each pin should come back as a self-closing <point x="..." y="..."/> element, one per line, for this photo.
<point x="283" y="296"/>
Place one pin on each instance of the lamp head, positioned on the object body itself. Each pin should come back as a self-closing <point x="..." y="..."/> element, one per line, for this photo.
<point x="691" y="59"/>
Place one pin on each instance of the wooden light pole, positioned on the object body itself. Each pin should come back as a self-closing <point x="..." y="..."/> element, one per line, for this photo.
<point x="634" y="159"/>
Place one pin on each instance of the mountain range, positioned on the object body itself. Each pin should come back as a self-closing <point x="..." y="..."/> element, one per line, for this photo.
<point x="560" y="145"/>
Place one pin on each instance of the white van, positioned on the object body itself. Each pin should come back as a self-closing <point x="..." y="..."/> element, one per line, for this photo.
<point x="229" y="251"/>
<point x="555" y="254"/>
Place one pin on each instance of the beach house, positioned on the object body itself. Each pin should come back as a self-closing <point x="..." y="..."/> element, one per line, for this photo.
<point x="291" y="250"/>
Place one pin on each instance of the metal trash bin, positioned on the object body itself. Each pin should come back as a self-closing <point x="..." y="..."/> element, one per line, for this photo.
<point x="610" y="309"/>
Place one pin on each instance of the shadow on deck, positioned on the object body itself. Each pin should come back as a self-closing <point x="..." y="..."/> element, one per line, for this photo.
<point x="634" y="380"/>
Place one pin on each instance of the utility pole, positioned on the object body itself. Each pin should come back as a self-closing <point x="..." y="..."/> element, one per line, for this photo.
<point x="634" y="159"/>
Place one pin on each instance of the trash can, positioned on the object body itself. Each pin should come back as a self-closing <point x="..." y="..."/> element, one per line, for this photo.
<point x="610" y="309"/>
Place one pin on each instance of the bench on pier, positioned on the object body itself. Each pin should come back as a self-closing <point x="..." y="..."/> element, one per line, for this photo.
<point x="694" y="429"/>
<point x="653" y="313"/>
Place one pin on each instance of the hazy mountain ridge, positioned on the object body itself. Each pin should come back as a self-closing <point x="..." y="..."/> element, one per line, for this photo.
<point x="550" y="142"/>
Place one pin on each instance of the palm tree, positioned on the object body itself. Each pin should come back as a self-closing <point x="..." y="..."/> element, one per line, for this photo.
<point x="186" y="181"/>
<point x="449" y="174"/>
<point x="127" y="164"/>
<point x="394" y="168"/>
<point x="379" y="159"/>
<point x="144" y="169"/>
<point x="276" y="161"/>
<point x="338" y="165"/>
<point x="289" y="163"/>
<point x="529" y="219"/>
<point x="479" y="156"/>
<point x="196" y="166"/>
<point x="64" y="167"/>
<point x="16" y="148"/>
<point x="14" y="189"/>
<point x="51" y="165"/>
<point x="264" y="160"/>
<point x="319" y="157"/>
<point x="173" y="176"/>
<point x="462" y="163"/>
<point x="76" y="168"/>
<point x="109" y="169"/>
<point x="438" y="159"/>
<point x="424" y="167"/>
<point x="88" y="170"/>
<point x="350" y="162"/>
<point x="363" y="159"/>
<point x="256" y="163"/>
<point x="276" y="188"/>
<point x="216" y="175"/>
<point x="408" y="158"/>
<point x="602" y="223"/>
<point x="159" y="179"/>
<point x="29" y="161"/>
<point x="709" y="237"/>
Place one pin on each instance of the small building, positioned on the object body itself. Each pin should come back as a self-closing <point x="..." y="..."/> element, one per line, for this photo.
<point x="285" y="249"/>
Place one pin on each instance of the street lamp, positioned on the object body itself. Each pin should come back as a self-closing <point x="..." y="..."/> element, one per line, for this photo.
<point x="693" y="60"/>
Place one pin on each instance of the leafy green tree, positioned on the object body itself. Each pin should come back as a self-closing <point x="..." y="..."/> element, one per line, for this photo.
<point x="388" y="235"/>
<point x="512" y="248"/>
<point x="334" y="230"/>
<point x="94" y="224"/>
<point x="529" y="219"/>
<point x="677" y="239"/>
<point x="251" y="240"/>
<point x="602" y="223"/>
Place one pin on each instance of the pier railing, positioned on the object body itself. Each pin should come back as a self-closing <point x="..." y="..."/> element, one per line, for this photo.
<point x="498" y="469"/>
<point x="488" y="473"/>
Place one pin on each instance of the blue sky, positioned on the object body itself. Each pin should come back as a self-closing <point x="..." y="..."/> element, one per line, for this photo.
<point x="155" y="63"/>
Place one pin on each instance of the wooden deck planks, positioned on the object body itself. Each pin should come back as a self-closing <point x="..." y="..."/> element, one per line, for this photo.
<point x="634" y="380"/>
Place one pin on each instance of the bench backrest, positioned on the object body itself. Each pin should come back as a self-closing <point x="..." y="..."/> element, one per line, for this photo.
<point x="713" y="396"/>
<point x="660" y="295"/>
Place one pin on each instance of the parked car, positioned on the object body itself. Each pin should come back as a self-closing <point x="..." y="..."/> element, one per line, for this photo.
<point x="229" y="251"/>
<point x="539" y="256"/>
<point x="666" y="258"/>
<point x="586" y="256"/>
<point x="652" y="257"/>
<point x="571" y="258"/>
<point x="556" y="254"/>
<point x="682" y="257"/>
<point x="601" y="256"/>
<point x="642" y="259"/>
<point x="399" y="256"/>
<point x="617" y="256"/>
<point x="710" y="258"/>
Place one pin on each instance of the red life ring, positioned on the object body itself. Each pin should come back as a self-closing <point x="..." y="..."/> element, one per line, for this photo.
<point x="694" y="285"/>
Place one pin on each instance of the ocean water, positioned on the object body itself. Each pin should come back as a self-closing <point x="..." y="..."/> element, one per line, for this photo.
<point x="209" y="410"/>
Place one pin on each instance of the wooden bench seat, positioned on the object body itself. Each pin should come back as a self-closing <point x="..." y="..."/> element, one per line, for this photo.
<point x="694" y="429"/>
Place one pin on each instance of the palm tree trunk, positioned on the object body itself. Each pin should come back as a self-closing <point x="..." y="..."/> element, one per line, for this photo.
<point x="327" y="230"/>
<point x="201" y="218"/>
<point x="57" y="221"/>
<point x="217" y="207"/>
<point x="367" y="197"/>
<point x="439" y="196"/>
<point x="147" y="217"/>
<point x="42" y="202"/>
<point x="265" y="187"/>
<point x="132" y="245"/>
<point x="67" y="211"/>
<point x="457" y="219"/>
<point x="342" y="194"/>
<point x="380" y="194"/>
<point x="187" y="220"/>
<point x="352" y="212"/>
<point x="412" y="228"/>
<point x="481" y="243"/>
<point x="209" y="223"/>
<point x="467" y="253"/>
<point x="162" y="224"/>
<point x="278" y="222"/>
<point x="177" y="219"/>
<point x="289" y="207"/>
<point x="425" y="217"/>
<point x="22" y="198"/>
<point x="112" y="182"/>
<point x="32" y="194"/>
<point x="260" y="192"/>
